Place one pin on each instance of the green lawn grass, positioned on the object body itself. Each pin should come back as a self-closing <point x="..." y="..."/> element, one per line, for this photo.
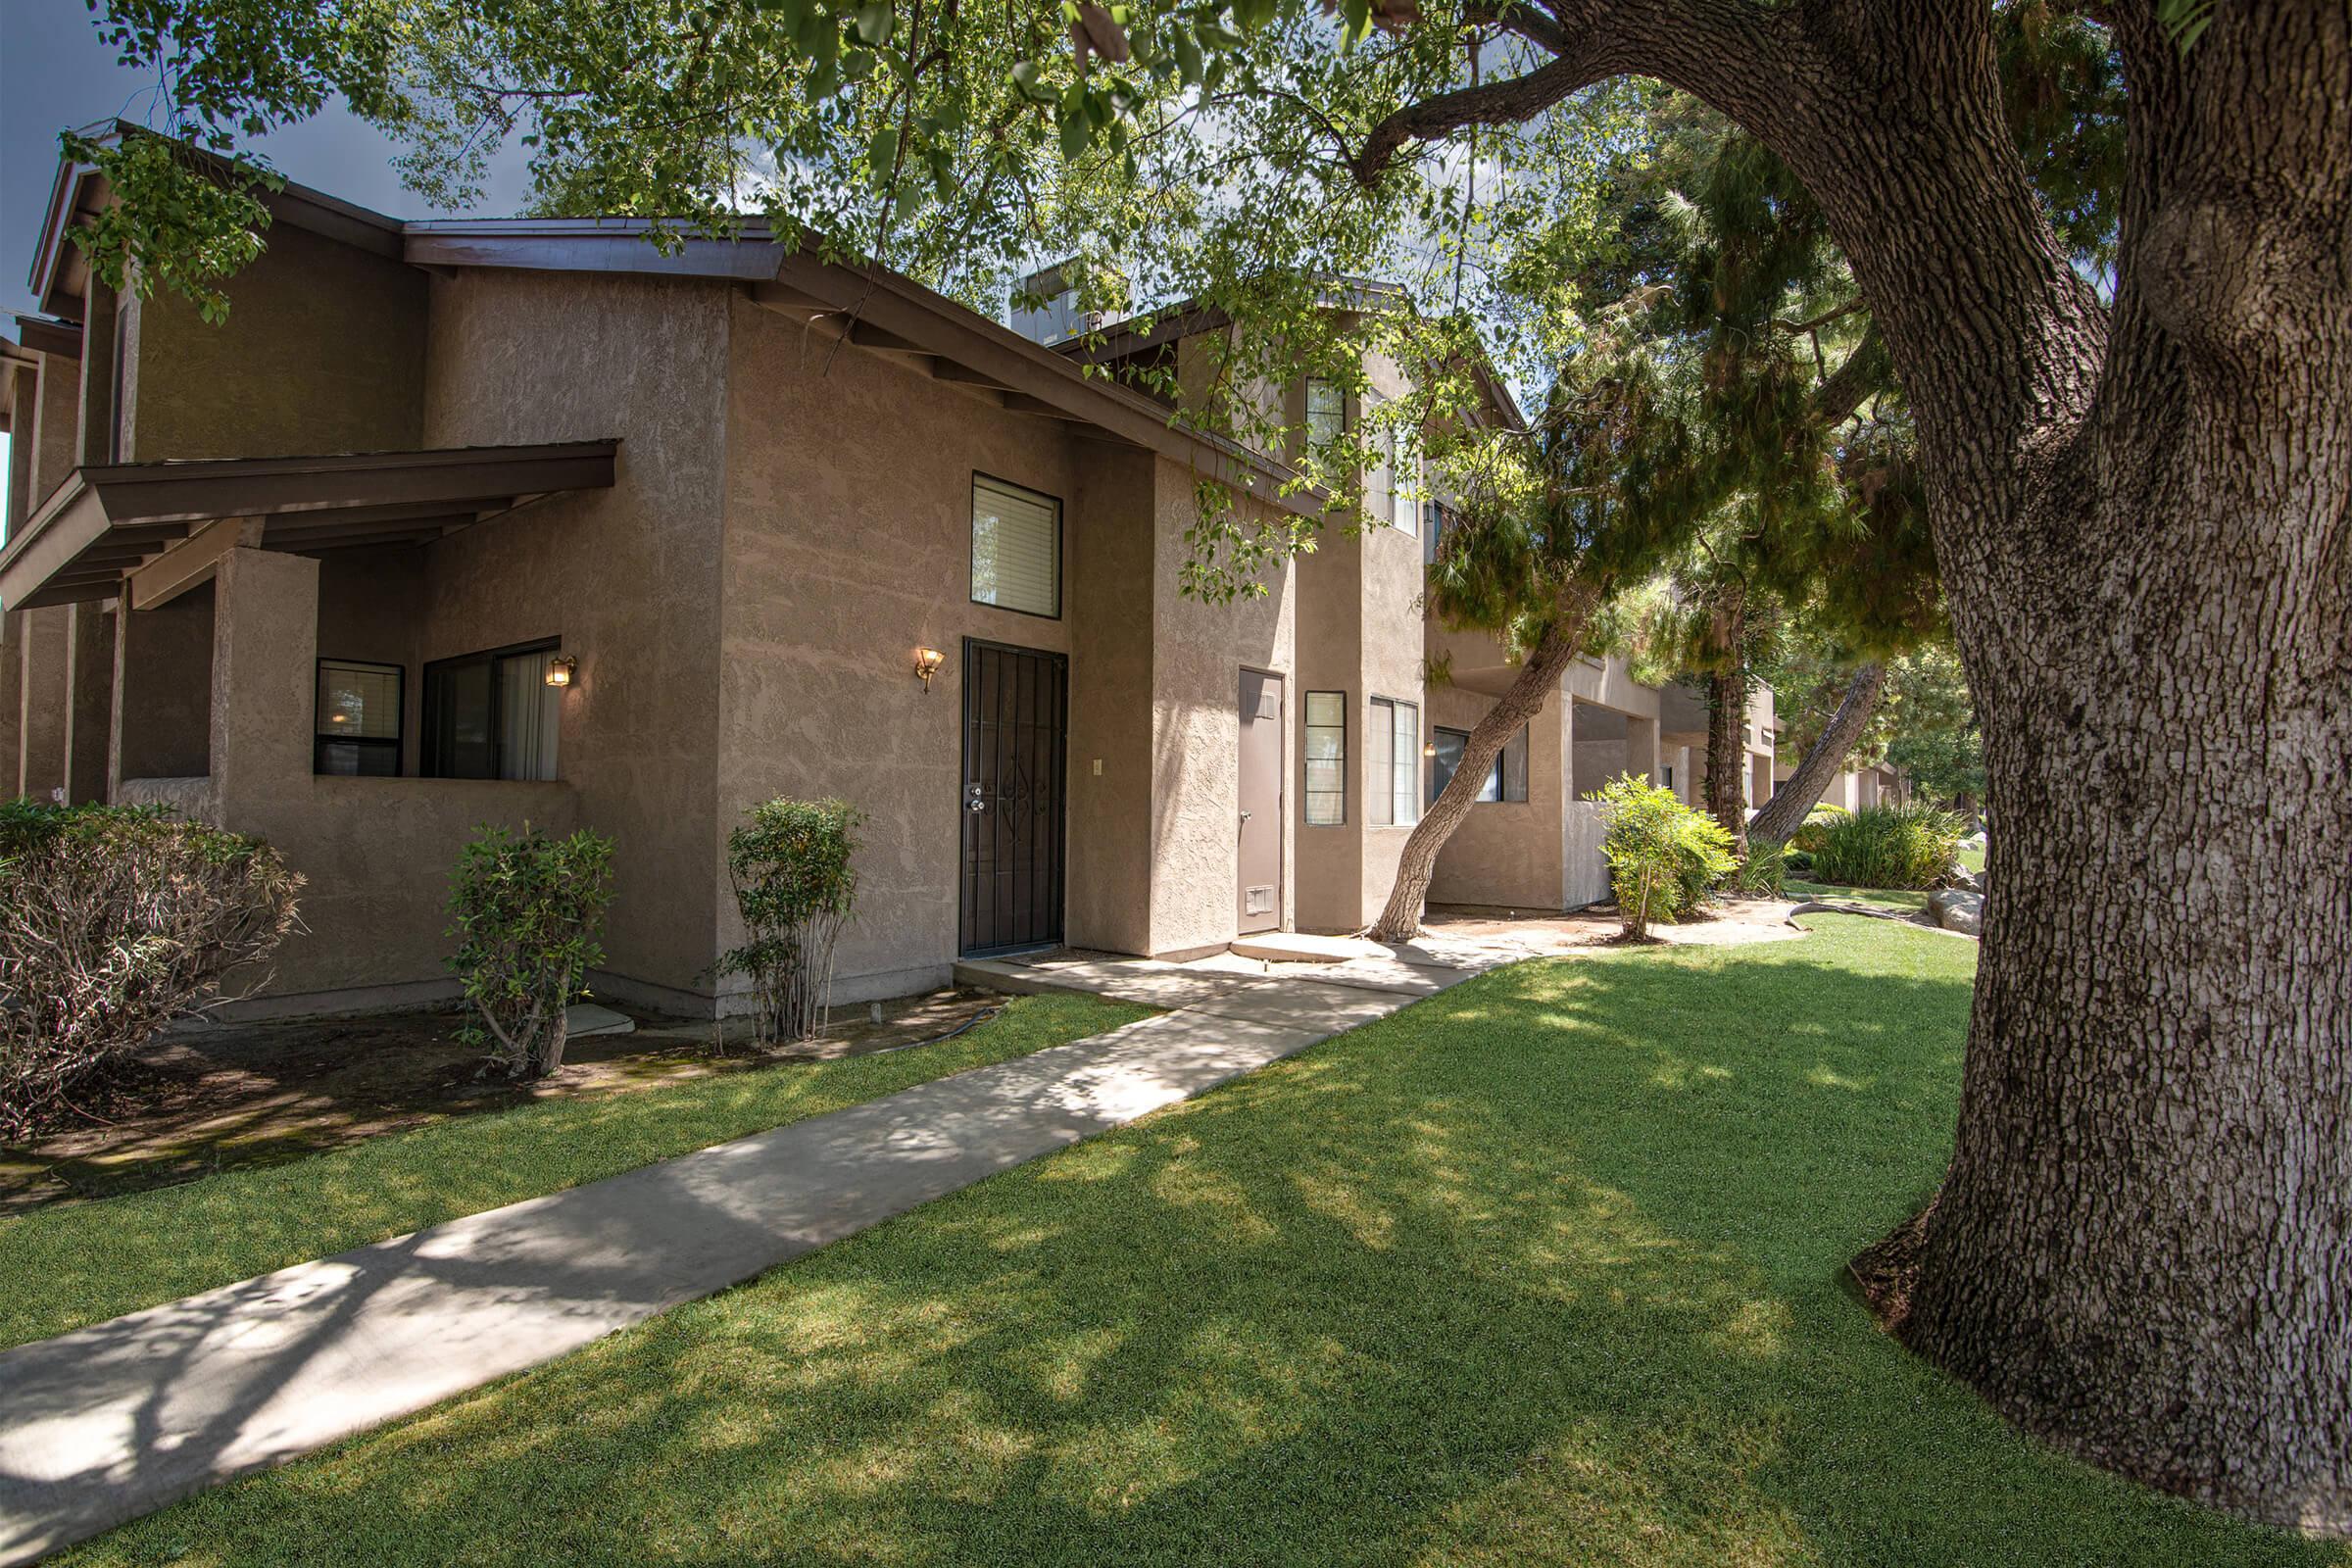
<point x="1547" y="1269"/>
<point x="1973" y="858"/>
<point x="79" y="1263"/>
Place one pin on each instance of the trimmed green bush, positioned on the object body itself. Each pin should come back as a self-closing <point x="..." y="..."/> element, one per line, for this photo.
<point x="1663" y="856"/>
<point x="525" y="910"/>
<point x="114" y="921"/>
<point x="1817" y="822"/>
<point x="795" y="888"/>
<point x="1889" y="847"/>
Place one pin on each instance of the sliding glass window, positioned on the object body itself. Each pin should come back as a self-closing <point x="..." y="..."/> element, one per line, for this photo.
<point x="492" y="715"/>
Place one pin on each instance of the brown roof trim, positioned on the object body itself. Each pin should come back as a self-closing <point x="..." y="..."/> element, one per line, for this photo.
<point x="44" y="334"/>
<point x="78" y="188"/>
<point x="1138" y="334"/>
<point x="883" y="310"/>
<point x="106" y="521"/>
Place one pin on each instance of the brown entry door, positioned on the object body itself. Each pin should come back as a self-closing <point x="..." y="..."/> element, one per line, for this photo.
<point x="1016" y="724"/>
<point x="1260" y="828"/>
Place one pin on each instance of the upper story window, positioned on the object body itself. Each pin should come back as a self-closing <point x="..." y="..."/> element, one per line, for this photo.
<point x="1017" y="548"/>
<point x="492" y="715"/>
<point x="357" y="719"/>
<point x="1326" y="412"/>
<point x="1326" y="755"/>
<point x="1394" y="763"/>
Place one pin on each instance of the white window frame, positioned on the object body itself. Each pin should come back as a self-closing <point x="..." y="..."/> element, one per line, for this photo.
<point x="982" y="484"/>
<point x="1323" y="808"/>
<point x="1394" y="745"/>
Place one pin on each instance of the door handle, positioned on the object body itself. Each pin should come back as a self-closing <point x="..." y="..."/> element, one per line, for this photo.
<point x="1245" y="816"/>
<point x="975" y="798"/>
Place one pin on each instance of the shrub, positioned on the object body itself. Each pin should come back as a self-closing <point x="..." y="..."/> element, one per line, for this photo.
<point x="525" y="910"/>
<point x="1663" y="856"/>
<point x="1765" y="869"/>
<point x="1817" y="822"/>
<point x="1889" y="847"/>
<point x="795" y="887"/>
<point x="114" y="921"/>
<point x="1796" y="863"/>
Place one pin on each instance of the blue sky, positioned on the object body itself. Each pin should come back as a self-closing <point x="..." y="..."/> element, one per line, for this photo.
<point x="56" y="73"/>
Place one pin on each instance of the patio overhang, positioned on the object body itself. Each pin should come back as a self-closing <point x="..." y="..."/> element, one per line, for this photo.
<point x="105" y="523"/>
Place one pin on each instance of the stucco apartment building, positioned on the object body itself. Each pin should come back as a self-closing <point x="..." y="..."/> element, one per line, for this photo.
<point x="1533" y="839"/>
<point x="531" y="521"/>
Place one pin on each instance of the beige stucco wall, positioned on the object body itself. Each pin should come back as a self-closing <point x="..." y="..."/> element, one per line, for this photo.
<point x="323" y="350"/>
<point x="628" y="578"/>
<point x="57" y="420"/>
<point x="1506" y="852"/>
<point x="162" y="709"/>
<point x="1539" y="856"/>
<point x="90" y="707"/>
<point x="1110" y="587"/>
<point x="1359" y="632"/>
<point x="375" y="854"/>
<point x="1199" y="652"/>
<point x="43" y="694"/>
<point x="848" y="545"/>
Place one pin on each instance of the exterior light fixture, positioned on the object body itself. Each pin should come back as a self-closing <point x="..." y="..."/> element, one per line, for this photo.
<point x="926" y="665"/>
<point x="1429" y="748"/>
<point x="560" y="669"/>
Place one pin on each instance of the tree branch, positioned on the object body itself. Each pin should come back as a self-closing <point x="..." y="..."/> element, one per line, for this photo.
<point x="1732" y="53"/>
<point x="1864" y="373"/>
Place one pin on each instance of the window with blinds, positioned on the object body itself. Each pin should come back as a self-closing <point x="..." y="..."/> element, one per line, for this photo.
<point x="1016" y="549"/>
<point x="1394" y="763"/>
<point x="1326" y="754"/>
<point x="357" y="719"/>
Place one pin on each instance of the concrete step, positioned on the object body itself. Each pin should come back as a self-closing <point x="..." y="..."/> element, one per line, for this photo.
<point x="1297" y="947"/>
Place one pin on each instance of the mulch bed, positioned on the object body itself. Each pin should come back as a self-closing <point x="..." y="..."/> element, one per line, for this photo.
<point x="212" y="1096"/>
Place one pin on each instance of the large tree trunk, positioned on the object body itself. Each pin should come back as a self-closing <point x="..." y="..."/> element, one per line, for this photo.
<point x="1537" y="683"/>
<point x="1727" y="754"/>
<point x="1794" y="797"/>
<point x="2143" y="1246"/>
<point x="2143" y="519"/>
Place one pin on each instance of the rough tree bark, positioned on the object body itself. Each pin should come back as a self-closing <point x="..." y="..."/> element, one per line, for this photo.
<point x="1537" y="683"/>
<point x="1801" y="791"/>
<point x="2143" y="517"/>
<point x="1727" y="752"/>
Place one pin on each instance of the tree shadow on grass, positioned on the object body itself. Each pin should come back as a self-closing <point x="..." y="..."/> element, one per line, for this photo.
<point x="1541" y="1270"/>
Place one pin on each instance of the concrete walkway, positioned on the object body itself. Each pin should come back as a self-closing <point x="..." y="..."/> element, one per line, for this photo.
<point x="103" y="1425"/>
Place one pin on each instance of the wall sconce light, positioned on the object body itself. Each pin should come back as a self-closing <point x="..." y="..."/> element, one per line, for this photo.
<point x="560" y="669"/>
<point x="1429" y="748"/>
<point x="926" y="665"/>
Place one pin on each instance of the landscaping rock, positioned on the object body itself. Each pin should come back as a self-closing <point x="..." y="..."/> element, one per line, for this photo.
<point x="1956" y="910"/>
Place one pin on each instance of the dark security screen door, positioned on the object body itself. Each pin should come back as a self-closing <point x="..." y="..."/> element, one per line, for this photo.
<point x="1015" y="706"/>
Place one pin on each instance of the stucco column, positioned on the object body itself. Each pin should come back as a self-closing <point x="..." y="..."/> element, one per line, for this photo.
<point x="11" y="699"/>
<point x="264" y="677"/>
<point x="90" y="710"/>
<point x="164" y="691"/>
<point x="47" y="634"/>
<point x="1642" y="748"/>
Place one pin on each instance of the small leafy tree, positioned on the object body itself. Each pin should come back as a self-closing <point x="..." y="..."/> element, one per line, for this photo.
<point x="524" y="908"/>
<point x="114" y="921"/>
<point x="794" y="886"/>
<point x="1662" y="856"/>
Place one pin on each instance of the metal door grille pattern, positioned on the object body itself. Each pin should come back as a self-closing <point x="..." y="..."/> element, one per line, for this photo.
<point x="1016" y="758"/>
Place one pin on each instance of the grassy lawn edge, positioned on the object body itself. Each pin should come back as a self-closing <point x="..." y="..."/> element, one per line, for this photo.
<point x="73" y="1264"/>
